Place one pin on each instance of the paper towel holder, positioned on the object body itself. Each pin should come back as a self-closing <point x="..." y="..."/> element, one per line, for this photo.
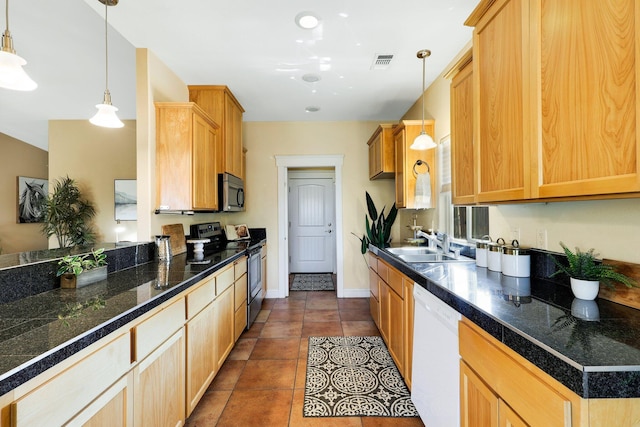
<point x="420" y="163"/>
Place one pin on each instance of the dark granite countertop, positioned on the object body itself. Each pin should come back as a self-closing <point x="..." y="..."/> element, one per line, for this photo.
<point x="41" y="330"/>
<point x="593" y="348"/>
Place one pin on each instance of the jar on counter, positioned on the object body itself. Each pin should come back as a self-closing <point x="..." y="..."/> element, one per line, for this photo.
<point x="516" y="261"/>
<point x="494" y="255"/>
<point x="482" y="248"/>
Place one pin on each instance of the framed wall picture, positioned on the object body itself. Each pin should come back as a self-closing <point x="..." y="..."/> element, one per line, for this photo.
<point x="126" y="200"/>
<point x="32" y="193"/>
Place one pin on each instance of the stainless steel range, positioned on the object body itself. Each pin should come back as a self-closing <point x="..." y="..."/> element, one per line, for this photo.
<point x="254" y="279"/>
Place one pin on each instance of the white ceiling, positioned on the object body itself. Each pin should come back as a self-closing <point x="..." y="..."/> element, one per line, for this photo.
<point x="252" y="46"/>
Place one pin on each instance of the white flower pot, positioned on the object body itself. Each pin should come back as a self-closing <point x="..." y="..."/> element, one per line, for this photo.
<point x="585" y="289"/>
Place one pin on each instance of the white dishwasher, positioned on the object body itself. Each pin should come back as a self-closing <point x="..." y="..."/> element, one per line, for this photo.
<point x="435" y="382"/>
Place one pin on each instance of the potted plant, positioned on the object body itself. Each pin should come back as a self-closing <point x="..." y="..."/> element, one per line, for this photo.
<point x="586" y="273"/>
<point x="68" y="215"/>
<point x="378" y="230"/>
<point x="76" y="271"/>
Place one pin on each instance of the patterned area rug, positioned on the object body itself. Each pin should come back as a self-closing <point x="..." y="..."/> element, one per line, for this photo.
<point x="312" y="282"/>
<point x="354" y="376"/>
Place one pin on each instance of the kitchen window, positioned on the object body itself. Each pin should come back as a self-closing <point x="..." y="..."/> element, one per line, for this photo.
<point x="466" y="223"/>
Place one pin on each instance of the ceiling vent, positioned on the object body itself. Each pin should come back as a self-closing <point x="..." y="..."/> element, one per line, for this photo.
<point x="381" y="61"/>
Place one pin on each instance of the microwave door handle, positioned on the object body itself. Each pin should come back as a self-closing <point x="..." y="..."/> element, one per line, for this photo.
<point x="240" y="197"/>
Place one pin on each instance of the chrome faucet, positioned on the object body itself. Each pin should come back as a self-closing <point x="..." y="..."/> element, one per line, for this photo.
<point x="434" y="243"/>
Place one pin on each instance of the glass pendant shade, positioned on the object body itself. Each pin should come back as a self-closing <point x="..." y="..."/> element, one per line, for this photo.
<point x="12" y="76"/>
<point x="423" y="142"/>
<point x="106" y="115"/>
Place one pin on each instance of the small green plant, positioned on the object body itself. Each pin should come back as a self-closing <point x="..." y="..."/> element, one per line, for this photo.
<point x="378" y="230"/>
<point x="583" y="266"/>
<point x="76" y="264"/>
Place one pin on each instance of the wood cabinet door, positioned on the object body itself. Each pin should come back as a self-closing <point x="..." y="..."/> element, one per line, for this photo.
<point x="160" y="385"/>
<point x="375" y="157"/>
<point x="400" y="172"/>
<point x="409" y="307"/>
<point x="396" y="329"/>
<point x="462" y="156"/>
<point x="501" y="93"/>
<point x="112" y="408"/>
<point x="589" y="97"/>
<point x="224" y="324"/>
<point x="205" y="174"/>
<point x="200" y="355"/>
<point x="233" y="138"/>
<point x="478" y="403"/>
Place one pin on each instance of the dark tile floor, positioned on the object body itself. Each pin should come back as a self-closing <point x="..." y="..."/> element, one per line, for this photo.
<point x="262" y="381"/>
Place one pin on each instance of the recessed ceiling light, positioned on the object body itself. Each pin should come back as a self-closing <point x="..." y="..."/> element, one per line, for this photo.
<point x="312" y="109"/>
<point x="307" y="20"/>
<point x="311" y="78"/>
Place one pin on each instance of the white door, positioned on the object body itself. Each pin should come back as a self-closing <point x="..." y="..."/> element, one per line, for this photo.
<point x="311" y="225"/>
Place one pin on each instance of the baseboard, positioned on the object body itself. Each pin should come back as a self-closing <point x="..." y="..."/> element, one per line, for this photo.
<point x="355" y="293"/>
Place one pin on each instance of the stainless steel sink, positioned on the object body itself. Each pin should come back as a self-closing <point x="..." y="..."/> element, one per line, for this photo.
<point x="412" y="250"/>
<point x="416" y="254"/>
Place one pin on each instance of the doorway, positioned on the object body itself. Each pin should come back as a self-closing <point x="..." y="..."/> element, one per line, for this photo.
<point x="286" y="165"/>
<point x="311" y="203"/>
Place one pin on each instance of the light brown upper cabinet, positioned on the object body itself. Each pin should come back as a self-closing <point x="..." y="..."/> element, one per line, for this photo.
<point x="381" y="153"/>
<point x="462" y="159"/>
<point x="403" y="135"/>
<point x="224" y="108"/>
<point x="555" y="99"/>
<point x="186" y="173"/>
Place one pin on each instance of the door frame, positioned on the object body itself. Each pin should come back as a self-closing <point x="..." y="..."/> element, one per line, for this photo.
<point x="283" y="164"/>
<point x="313" y="173"/>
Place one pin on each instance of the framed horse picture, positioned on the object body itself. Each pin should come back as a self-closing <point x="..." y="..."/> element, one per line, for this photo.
<point x="32" y="194"/>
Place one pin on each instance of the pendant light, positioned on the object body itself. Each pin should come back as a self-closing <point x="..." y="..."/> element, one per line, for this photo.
<point x="106" y="115"/>
<point x="423" y="141"/>
<point x="12" y="76"/>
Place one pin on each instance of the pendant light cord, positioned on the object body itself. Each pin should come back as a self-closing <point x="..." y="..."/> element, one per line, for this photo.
<point x="106" y="47"/>
<point x="423" y="67"/>
<point x="6" y="12"/>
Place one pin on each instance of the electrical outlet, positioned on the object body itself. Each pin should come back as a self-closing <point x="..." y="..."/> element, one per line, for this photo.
<point x="515" y="233"/>
<point x="541" y="238"/>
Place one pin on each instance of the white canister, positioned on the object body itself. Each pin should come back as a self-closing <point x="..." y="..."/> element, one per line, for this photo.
<point x="482" y="247"/>
<point x="516" y="261"/>
<point x="494" y="255"/>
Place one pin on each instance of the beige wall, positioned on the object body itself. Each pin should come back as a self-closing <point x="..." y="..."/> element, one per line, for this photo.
<point x="94" y="157"/>
<point x="265" y="140"/>
<point x="18" y="159"/>
<point x="609" y="226"/>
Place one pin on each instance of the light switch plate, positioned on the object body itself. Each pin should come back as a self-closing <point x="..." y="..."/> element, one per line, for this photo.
<point x="541" y="238"/>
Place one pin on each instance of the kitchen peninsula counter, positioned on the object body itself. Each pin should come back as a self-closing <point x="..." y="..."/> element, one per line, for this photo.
<point x="39" y="331"/>
<point x="593" y="358"/>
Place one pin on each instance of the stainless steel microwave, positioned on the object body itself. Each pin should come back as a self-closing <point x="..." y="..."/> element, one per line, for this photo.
<point x="230" y="193"/>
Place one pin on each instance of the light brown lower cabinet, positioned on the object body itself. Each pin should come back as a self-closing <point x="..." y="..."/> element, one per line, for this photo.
<point x="240" y="297"/>
<point x="498" y="387"/>
<point x="151" y="372"/>
<point x="391" y="305"/>
<point x="159" y="385"/>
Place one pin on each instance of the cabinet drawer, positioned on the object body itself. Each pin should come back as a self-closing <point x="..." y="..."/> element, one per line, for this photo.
<point x="522" y="389"/>
<point x="383" y="271"/>
<point x="373" y="261"/>
<point x="224" y="279"/>
<point x="395" y="281"/>
<point x="241" y="292"/>
<point x="158" y="328"/>
<point x="374" y="286"/>
<point x="240" y="267"/>
<point x="59" y="399"/>
<point x="201" y="296"/>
